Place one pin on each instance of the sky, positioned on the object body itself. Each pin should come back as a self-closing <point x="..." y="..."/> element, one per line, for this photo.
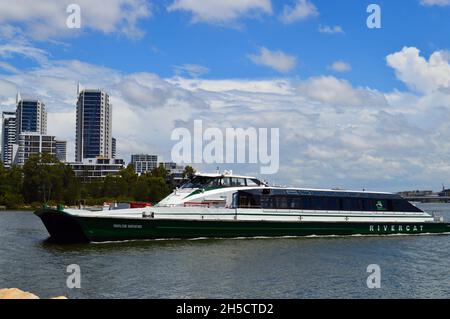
<point x="356" y="107"/>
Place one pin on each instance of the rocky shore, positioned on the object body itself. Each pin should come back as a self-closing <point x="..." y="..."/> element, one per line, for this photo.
<point x="14" y="293"/>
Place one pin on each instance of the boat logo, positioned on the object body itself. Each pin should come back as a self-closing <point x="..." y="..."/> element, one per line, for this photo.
<point x="395" y="228"/>
<point x="379" y="205"/>
<point x="127" y="226"/>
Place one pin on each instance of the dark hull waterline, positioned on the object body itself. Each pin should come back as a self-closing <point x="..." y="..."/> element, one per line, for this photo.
<point x="66" y="228"/>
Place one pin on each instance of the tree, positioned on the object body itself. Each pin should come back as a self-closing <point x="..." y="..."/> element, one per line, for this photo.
<point x="46" y="179"/>
<point x="11" y="186"/>
<point x="160" y="171"/>
<point x="72" y="187"/>
<point x="128" y="179"/>
<point x="150" y="189"/>
<point x="188" y="172"/>
<point x="43" y="179"/>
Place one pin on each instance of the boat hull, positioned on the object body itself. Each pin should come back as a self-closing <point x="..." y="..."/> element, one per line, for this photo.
<point x="67" y="228"/>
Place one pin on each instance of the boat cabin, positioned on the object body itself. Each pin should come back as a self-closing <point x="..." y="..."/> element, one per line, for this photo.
<point x="296" y="199"/>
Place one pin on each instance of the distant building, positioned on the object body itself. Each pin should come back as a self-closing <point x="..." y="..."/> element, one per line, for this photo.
<point x="445" y="192"/>
<point x="8" y="138"/>
<point x="144" y="163"/>
<point x="113" y="147"/>
<point x="175" y="173"/>
<point x="93" y="125"/>
<point x="33" y="143"/>
<point x="31" y="116"/>
<point x="61" y="150"/>
<point x="416" y="193"/>
<point x="97" y="168"/>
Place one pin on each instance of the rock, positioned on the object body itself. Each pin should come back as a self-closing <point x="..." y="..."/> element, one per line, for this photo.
<point x="14" y="293"/>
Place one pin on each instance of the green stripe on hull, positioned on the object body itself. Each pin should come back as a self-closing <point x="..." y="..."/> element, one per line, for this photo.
<point x="111" y="229"/>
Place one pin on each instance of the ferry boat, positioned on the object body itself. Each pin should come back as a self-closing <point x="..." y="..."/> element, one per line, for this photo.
<point x="227" y="205"/>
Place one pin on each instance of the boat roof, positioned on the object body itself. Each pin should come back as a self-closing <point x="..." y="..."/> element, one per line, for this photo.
<point x="305" y="191"/>
<point x="224" y="174"/>
<point x="337" y="190"/>
<point x="324" y="192"/>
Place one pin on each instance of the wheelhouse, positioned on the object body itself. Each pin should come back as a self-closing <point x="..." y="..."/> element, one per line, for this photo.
<point x="211" y="182"/>
<point x="292" y="199"/>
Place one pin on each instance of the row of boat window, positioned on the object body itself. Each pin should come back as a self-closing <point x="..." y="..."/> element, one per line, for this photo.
<point x="248" y="200"/>
<point x="213" y="182"/>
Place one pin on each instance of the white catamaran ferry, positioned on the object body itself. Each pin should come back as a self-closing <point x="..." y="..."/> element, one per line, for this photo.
<point x="228" y="205"/>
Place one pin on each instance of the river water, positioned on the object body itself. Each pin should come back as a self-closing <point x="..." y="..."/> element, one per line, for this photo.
<point x="336" y="267"/>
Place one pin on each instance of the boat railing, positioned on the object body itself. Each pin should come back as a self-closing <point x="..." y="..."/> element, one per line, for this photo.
<point x="197" y="204"/>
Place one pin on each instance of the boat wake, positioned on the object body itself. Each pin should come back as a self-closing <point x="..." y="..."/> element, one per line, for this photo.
<point x="267" y="238"/>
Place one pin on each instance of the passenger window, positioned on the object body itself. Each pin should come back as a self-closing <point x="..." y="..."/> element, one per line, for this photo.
<point x="252" y="182"/>
<point x="352" y="204"/>
<point x="227" y="182"/>
<point x="234" y="204"/>
<point x="237" y="182"/>
<point x="214" y="182"/>
<point x="265" y="201"/>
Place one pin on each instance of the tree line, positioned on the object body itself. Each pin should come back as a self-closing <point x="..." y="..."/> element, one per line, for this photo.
<point x="45" y="180"/>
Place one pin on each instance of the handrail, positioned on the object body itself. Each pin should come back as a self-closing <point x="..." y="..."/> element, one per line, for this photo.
<point x="196" y="204"/>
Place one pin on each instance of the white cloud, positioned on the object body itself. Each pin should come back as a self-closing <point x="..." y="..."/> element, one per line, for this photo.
<point x="149" y="91"/>
<point x="333" y="134"/>
<point x="192" y="70"/>
<point x="220" y="11"/>
<point x="441" y="3"/>
<point x="331" y="29"/>
<point x="45" y="19"/>
<point x="333" y="91"/>
<point x="272" y="86"/>
<point x="12" y="49"/>
<point x="418" y="73"/>
<point x="8" y="67"/>
<point x="302" y="10"/>
<point x="340" y="66"/>
<point x="277" y="60"/>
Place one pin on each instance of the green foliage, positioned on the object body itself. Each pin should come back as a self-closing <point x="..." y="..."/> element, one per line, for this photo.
<point x="43" y="179"/>
<point x="46" y="179"/>
<point x="151" y="189"/>
<point x="11" y="187"/>
<point x="160" y="171"/>
<point x="189" y="172"/>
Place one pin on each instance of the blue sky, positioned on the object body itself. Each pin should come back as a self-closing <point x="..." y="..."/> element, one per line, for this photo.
<point x="172" y="39"/>
<point x="347" y="99"/>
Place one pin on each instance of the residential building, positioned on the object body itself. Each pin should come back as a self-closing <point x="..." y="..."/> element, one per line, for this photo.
<point x="97" y="168"/>
<point x="33" y="143"/>
<point x="114" y="148"/>
<point x="31" y="116"/>
<point x="61" y="150"/>
<point x="144" y="163"/>
<point x="8" y="138"/>
<point x="175" y="173"/>
<point x="93" y="125"/>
